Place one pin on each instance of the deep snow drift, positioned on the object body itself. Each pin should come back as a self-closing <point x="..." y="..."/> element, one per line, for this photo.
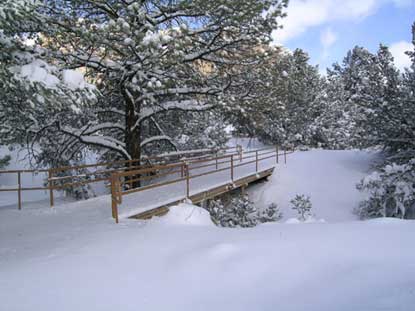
<point x="75" y="258"/>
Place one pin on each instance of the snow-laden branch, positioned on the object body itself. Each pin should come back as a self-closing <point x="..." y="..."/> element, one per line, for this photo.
<point x="183" y="91"/>
<point x="95" y="140"/>
<point x="184" y="105"/>
<point x="103" y="126"/>
<point x="156" y="138"/>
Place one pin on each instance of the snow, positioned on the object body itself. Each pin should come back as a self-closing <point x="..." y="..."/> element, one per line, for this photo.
<point x="185" y="214"/>
<point x="73" y="79"/>
<point x="38" y="71"/>
<point x="74" y="257"/>
<point x="328" y="177"/>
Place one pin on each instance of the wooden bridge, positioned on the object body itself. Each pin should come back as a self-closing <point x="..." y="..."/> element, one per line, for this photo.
<point x="194" y="180"/>
<point x="141" y="189"/>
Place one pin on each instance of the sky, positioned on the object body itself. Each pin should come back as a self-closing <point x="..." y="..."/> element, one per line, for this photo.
<point x="327" y="29"/>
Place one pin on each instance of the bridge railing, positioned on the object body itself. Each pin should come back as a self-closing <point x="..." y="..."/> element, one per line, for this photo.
<point x="163" y="175"/>
<point x="65" y="177"/>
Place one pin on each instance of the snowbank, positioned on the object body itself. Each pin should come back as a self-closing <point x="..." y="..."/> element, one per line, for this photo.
<point x="185" y="214"/>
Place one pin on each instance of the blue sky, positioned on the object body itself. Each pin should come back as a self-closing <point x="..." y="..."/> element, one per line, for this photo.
<point x="327" y="29"/>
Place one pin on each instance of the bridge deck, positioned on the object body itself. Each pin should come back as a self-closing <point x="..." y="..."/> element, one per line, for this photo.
<point x="154" y="200"/>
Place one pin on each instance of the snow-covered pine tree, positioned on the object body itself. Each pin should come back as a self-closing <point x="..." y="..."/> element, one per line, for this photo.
<point x="335" y="124"/>
<point x="291" y="99"/>
<point x="391" y="192"/>
<point x="362" y="100"/>
<point x="148" y="58"/>
<point x="391" y="123"/>
<point x="32" y="91"/>
<point x="270" y="214"/>
<point x="302" y="205"/>
<point x="403" y="144"/>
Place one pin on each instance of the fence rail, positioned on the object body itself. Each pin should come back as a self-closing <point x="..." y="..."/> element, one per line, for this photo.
<point x="56" y="178"/>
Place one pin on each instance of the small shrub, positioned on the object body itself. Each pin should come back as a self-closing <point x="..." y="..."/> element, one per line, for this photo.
<point x="270" y="214"/>
<point x="5" y="161"/>
<point x="241" y="212"/>
<point x="302" y="205"/>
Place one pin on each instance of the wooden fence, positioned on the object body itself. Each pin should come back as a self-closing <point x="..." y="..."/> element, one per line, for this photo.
<point x="61" y="178"/>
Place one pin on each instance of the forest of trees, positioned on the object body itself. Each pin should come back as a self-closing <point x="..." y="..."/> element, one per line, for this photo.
<point x="128" y="78"/>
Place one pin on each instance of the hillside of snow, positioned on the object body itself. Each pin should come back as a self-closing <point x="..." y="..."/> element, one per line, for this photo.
<point x="74" y="257"/>
<point x="329" y="178"/>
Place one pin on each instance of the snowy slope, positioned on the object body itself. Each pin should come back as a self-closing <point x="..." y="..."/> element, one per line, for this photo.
<point x="328" y="177"/>
<point x="75" y="258"/>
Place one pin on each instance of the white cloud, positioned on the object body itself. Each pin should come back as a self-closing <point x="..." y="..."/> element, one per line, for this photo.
<point x="303" y="14"/>
<point x="328" y="38"/>
<point x="398" y="50"/>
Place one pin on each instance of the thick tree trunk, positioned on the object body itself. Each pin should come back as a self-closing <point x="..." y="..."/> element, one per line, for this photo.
<point x="132" y="139"/>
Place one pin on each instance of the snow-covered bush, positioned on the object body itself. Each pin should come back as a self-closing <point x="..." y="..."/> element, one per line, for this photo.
<point x="270" y="214"/>
<point x="302" y="204"/>
<point x="238" y="213"/>
<point x="4" y="161"/>
<point x="241" y="212"/>
<point x="391" y="192"/>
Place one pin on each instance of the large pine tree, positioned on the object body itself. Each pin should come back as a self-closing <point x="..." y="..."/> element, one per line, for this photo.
<point x="152" y="57"/>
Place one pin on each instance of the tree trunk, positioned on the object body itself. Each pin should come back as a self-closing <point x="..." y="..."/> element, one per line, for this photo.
<point x="132" y="139"/>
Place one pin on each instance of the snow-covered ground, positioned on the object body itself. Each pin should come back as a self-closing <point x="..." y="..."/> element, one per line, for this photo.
<point x="329" y="178"/>
<point x="75" y="258"/>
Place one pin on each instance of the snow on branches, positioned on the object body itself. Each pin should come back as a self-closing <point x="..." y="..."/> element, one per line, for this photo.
<point x="148" y="60"/>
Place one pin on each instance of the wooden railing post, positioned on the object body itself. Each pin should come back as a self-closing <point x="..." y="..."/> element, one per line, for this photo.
<point x="256" y="161"/>
<point x="50" y="183"/>
<point x="216" y="158"/>
<point x="114" y="196"/>
<point x="19" y="191"/>
<point x="182" y="170"/>
<point x="187" y="181"/>
<point x="232" y="168"/>
<point x="285" y="156"/>
<point x="276" y="154"/>
<point x="240" y="152"/>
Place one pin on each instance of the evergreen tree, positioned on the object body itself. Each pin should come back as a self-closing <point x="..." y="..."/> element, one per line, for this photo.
<point x="149" y="58"/>
<point x="391" y="124"/>
<point x="362" y="104"/>
<point x="33" y="93"/>
<point x="290" y="100"/>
